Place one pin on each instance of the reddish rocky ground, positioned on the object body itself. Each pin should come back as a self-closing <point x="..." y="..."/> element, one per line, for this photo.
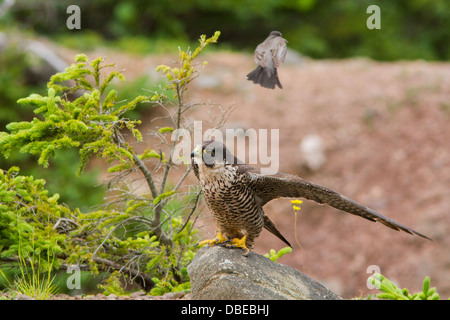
<point x="385" y="131"/>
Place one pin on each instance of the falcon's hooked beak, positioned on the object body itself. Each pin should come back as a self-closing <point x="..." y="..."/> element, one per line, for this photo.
<point x="202" y="155"/>
<point x="198" y="156"/>
<point x="197" y="152"/>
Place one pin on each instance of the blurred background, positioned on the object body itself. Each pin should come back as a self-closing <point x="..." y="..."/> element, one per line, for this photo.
<point x="377" y="100"/>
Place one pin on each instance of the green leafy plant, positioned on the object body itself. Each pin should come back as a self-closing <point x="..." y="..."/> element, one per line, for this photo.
<point x="389" y="291"/>
<point x="145" y="235"/>
<point x="274" y="256"/>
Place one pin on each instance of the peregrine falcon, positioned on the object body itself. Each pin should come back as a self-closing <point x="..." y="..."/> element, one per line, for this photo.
<point x="269" y="55"/>
<point x="235" y="193"/>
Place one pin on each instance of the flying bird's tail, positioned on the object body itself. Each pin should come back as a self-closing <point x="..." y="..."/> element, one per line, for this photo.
<point x="268" y="224"/>
<point x="266" y="77"/>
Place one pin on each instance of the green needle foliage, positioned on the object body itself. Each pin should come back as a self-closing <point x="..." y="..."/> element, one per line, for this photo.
<point x="27" y="217"/>
<point x="146" y="236"/>
<point x="88" y="123"/>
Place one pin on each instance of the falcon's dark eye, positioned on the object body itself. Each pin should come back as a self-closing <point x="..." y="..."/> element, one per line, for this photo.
<point x="213" y="152"/>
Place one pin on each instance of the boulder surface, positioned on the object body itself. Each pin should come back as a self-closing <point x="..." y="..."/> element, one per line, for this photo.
<point x="219" y="273"/>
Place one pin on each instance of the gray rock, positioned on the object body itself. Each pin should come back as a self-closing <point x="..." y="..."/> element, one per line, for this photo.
<point x="225" y="274"/>
<point x="21" y="296"/>
<point x="137" y="294"/>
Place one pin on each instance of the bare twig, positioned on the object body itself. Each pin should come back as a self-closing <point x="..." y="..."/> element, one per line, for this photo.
<point x="148" y="176"/>
<point x="140" y="164"/>
<point x="197" y="201"/>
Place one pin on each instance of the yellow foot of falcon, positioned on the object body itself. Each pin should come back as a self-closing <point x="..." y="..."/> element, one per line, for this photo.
<point x="227" y="243"/>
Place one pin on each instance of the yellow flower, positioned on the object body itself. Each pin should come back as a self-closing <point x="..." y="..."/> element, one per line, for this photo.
<point x="296" y="204"/>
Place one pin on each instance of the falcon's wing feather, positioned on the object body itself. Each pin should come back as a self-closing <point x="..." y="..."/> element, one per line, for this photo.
<point x="269" y="187"/>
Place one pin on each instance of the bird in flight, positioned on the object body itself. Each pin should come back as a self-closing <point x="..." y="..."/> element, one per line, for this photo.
<point x="235" y="193"/>
<point x="269" y="55"/>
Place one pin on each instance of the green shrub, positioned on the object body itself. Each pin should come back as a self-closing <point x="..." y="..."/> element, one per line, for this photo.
<point x="146" y="236"/>
<point x="18" y="79"/>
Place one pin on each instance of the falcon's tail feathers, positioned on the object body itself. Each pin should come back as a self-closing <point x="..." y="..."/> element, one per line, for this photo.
<point x="268" y="224"/>
<point x="265" y="78"/>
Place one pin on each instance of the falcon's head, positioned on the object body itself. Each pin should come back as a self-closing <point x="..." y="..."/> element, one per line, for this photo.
<point x="211" y="155"/>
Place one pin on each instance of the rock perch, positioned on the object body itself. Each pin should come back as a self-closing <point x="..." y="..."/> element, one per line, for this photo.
<point x="224" y="274"/>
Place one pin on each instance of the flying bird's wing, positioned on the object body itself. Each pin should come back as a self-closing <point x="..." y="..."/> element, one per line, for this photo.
<point x="259" y="55"/>
<point x="279" y="50"/>
<point x="275" y="48"/>
<point x="269" y="187"/>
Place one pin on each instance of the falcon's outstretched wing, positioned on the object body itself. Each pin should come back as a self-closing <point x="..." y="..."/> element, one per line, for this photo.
<point x="269" y="187"/>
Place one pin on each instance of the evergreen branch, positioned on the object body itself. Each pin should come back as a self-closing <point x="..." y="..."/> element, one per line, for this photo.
<point x="147" y="284"/>
<point x="144" y="237"/>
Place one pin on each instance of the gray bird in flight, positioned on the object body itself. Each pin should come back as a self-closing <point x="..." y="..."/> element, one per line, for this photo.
<point x="236" y="193"/>
<point x="269" y="55"/>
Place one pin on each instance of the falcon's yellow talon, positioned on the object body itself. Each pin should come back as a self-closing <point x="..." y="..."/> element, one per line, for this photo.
<point x="218" y="240"/>
<point x="238" y="243"/>
<point x="227" y="243"/>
